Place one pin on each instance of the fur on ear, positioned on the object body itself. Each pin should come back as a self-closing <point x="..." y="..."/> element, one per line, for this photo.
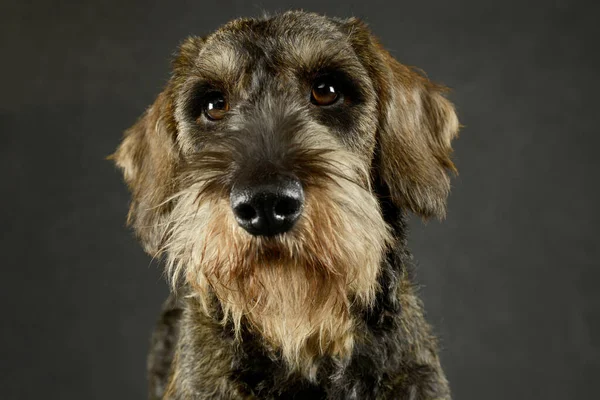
<point x="417" y="125"/>
<point x="148" y="156"/>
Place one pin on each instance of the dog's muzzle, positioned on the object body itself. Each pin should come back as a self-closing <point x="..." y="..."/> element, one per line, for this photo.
<point x="269" y="208"/>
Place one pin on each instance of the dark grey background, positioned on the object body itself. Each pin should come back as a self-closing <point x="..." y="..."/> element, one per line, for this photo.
<point x="509" y="279"/>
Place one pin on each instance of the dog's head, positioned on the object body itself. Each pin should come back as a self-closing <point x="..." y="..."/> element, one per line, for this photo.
<point x="254" y="172"/>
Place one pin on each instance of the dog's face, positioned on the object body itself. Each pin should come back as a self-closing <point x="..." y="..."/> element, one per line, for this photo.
<point x="253" y="172"/>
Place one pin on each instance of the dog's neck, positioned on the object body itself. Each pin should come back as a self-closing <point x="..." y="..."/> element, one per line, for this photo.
<point x="394" y="271"/>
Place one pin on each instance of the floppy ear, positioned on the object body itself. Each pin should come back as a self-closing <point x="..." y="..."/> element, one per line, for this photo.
<point x="148" y="157"/>
<point x="416" y="127"/>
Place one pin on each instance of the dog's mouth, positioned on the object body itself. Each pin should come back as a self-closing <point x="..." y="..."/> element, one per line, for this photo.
<point x="274" y="249"/>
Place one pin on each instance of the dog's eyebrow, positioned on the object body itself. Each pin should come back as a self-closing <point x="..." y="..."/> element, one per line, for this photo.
<point x="314" y="55"/>
<point x="309" y="56"/>
<point x="221" y="63"/>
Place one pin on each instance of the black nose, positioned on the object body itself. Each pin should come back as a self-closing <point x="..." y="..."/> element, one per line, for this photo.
<point x="268" y="209"/>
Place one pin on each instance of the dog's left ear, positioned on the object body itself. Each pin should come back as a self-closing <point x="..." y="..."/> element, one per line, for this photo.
<point x="416" y="127"/>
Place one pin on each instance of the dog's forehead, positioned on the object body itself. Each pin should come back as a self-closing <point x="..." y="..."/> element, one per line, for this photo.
<point x="291" y="40"/>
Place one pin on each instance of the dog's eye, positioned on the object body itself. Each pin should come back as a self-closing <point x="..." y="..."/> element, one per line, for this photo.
<point x="324" y="93"/>
<point x="216" y="107"/>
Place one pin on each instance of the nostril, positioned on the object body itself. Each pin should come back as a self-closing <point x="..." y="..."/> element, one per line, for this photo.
<point x="287" y="207"/>
<point x="267" y="209"/>
<point x="245" y="211"/>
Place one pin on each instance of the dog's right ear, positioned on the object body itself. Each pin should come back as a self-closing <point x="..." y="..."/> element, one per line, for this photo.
<point x="148" y="156"/>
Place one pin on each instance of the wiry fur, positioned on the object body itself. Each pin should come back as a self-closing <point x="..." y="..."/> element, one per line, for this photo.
<point x="295" y="289"/>
<point x="326" y="309"/>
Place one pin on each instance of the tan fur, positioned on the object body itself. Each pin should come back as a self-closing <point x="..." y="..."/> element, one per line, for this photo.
<point x="418" y="125"/>
<point x="148" y="157"/>
<point x="295" y="290"/>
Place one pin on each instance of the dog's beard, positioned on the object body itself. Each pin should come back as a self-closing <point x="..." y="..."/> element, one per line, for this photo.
<point x="296" y="289"/>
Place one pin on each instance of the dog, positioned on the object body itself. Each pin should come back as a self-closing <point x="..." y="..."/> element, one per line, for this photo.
<point x="273" y="176"/>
